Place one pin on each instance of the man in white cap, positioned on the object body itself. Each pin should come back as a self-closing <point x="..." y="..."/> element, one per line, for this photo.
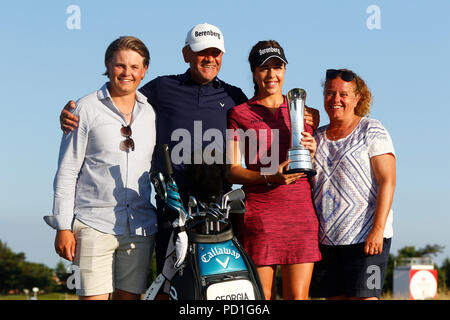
<point x="203" y="50"/>
<point x="185" y="102"/>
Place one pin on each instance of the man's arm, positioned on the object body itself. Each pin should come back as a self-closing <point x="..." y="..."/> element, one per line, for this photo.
<point x="67" y="119"/>
<point x="312" y="117"/>
<point x="71" y="157"/>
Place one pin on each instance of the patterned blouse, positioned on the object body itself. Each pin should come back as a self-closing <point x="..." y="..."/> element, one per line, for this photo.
<point x="345" y="188"/>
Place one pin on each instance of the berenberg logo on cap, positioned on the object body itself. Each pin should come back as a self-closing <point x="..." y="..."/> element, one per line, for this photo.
<point x="207" y="33"/>
<point x="269" y="50"/>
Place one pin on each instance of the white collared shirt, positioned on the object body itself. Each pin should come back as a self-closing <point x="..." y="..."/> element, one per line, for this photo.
<point x="97" y="181"/>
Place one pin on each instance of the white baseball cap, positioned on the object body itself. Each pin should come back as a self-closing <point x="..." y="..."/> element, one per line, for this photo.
<point x="204" y="36"/>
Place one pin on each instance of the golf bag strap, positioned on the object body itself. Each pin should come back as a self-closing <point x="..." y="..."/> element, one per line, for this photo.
<point x="153" y="290"/>
<point x="164" y="278"/>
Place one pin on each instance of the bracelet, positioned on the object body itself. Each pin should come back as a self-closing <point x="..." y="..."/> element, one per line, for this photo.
<point x="265" y="179"/>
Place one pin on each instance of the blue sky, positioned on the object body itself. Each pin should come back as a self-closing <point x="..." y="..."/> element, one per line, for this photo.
<point x="405" y="64"/>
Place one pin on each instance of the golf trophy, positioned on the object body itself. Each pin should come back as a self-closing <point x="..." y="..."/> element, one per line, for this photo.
<point x="299" y="155"/>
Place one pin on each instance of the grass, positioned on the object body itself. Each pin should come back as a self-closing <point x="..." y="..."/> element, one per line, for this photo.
<point x="47" y="296"/>
<point x="440" y="296"/>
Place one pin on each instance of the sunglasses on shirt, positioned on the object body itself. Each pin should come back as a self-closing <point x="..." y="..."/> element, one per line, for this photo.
<point x="346" y="75"/>
<point x="128" y="142"/>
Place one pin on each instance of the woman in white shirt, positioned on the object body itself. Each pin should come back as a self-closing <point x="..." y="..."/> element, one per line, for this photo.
<point x="353" y="191"/>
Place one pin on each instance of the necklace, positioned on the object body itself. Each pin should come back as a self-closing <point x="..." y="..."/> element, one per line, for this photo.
<point x="338" y="133"/>
<point x="127" y="114"/>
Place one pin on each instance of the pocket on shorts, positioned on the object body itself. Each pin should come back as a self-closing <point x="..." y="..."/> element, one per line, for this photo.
<point x="77" y="226"/>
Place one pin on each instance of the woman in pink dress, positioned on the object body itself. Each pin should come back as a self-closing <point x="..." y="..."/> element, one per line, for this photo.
<point x="280" y="225"/>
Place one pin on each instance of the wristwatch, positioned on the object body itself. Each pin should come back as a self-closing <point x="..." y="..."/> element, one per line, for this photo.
<point x="267" y="181"/>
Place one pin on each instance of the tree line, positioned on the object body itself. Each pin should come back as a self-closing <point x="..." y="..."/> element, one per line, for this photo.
<point x="17" y="274"/>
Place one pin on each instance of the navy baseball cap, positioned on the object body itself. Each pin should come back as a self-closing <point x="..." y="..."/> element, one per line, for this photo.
<point x="259" y="57"/>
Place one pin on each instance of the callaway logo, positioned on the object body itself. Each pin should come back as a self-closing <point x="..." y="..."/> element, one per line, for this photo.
<point x="222" y="104"/>
<point x="223" y="264"/>
<point x="207" y="33"/>
<point x="215" y="252"/>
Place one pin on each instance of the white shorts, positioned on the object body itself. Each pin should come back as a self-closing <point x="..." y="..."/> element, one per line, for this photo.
<point x="107" y="262"/>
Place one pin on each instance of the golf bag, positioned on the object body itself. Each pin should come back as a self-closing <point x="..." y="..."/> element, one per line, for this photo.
<point x="204" y="259"/>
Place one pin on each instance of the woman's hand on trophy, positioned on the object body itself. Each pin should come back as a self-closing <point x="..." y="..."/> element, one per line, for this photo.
<point x="281" y="178"/>
<point x="309" y="143"/>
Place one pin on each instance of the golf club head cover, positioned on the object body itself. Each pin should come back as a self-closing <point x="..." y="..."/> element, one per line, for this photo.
<point x="174" y="209"/>
<point x="181" y="247"/>
<point x="174" y="202"/>
<point x="159" y="183"/>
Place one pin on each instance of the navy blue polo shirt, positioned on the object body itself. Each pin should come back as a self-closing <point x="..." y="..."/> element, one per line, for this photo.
<point x="179" y="103"/>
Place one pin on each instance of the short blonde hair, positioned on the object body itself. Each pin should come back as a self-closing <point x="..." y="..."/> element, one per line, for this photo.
<point x="127" y="43"/>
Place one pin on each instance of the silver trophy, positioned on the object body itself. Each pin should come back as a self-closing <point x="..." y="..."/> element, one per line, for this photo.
<point x="299" y="155"/>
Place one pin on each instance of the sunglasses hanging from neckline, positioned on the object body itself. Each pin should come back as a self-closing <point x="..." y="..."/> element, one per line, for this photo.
<point x="128" y="142"/>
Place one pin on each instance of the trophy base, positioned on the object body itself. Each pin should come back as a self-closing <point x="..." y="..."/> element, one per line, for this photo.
<point x="307" y="171"/>
<point x="300" y="162"/>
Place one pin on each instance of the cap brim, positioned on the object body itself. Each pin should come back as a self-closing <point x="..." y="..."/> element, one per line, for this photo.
<point x="196" y="47"/>
<point x="272" y="56"/>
